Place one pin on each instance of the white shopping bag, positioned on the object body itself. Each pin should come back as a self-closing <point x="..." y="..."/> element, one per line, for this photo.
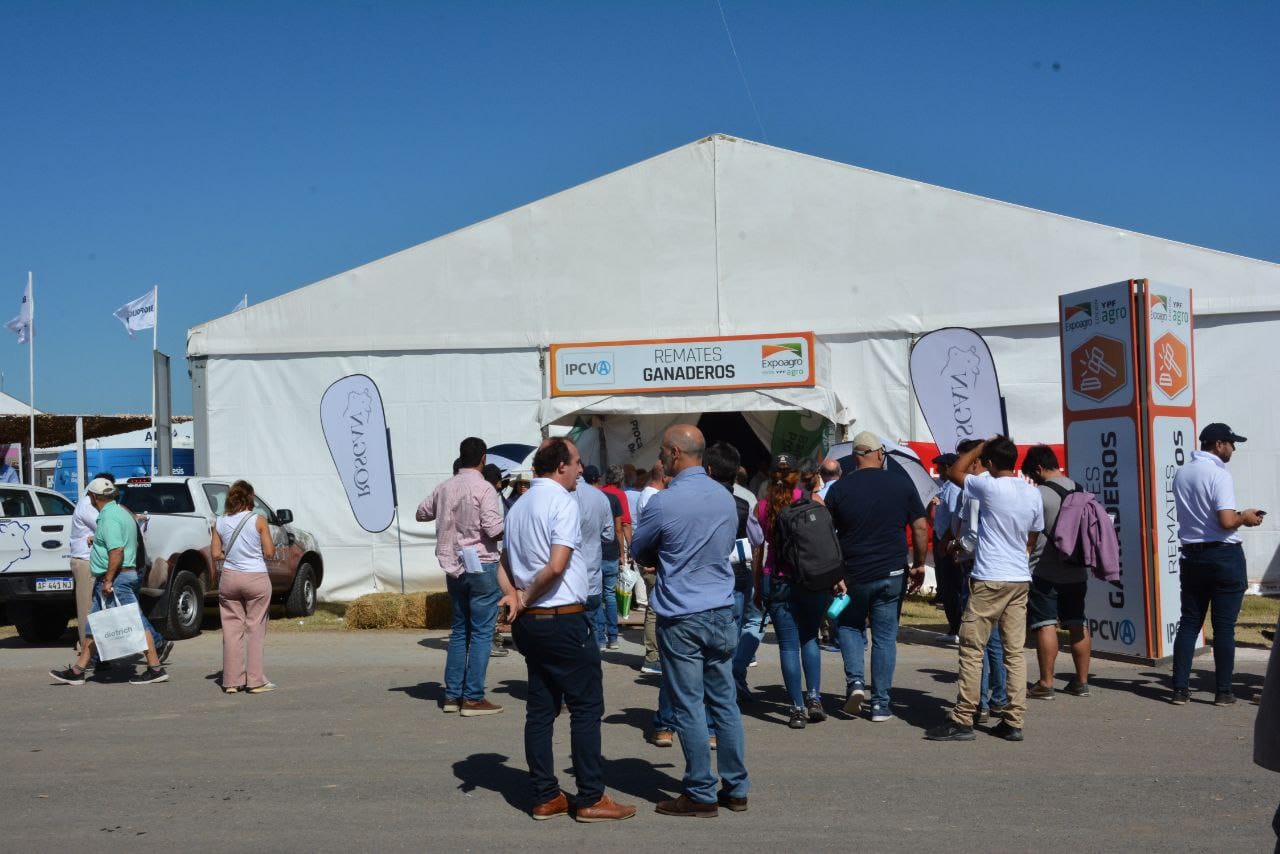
<point x="627" y="578"/>
<point x="117" y="630"/>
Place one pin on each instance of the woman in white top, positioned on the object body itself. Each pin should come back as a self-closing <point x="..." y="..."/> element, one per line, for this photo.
<point x="242" y="540"/>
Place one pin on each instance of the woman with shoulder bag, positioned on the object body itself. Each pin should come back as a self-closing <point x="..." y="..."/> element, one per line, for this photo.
<point x="242" y="540"/>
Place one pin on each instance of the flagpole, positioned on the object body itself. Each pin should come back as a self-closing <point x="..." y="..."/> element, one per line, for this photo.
<point x="31" y="379"/>
<point x="155" y="331"/>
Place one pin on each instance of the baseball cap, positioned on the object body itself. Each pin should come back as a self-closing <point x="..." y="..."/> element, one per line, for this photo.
<point x="591" y="474"/>
<point x="1219" y="432"/>
<point x="102" y="486"/>
<point x="867" y="439"/>
<point x="944" y="459"/>
<point x="784" y="461"/>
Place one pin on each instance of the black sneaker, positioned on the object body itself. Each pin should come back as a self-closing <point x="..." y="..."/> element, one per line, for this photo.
<point x="813" y="706"/>
<point x="798" y="719"/>
<point x="164" y="651"/>
<point x="982" y="716"/>
<point x="1224" y="698"/>
<point x="1008" y="733"/>
<point x="149" y="676"/>
<point x="1077" y="689"/>
<point x="68" y="676"/>
<point x="1181" y="696"/>
<point x="949" y="730"/>
<point x="1040" y="692"/>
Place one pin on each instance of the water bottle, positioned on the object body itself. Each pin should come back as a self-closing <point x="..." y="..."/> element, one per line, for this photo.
<point x="837" y="605"/>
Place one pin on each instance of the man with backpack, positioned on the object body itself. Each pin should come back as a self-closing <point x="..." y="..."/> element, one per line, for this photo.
<point x="1058" y="583"/>
<point x="871" y="508"/>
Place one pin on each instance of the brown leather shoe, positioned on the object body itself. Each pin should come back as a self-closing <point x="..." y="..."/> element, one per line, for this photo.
<point x="682" y="806"/>
<point x="731" y="803"/>
<point x="473" y="708"/>
<point x="605" y="809"/>
<point x="559" y="805"/>
<point x="663" y="738"/>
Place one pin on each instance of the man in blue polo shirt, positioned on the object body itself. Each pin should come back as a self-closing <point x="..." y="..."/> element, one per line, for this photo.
<point x="687" y="531"/>
<point x="1212" y="566"/>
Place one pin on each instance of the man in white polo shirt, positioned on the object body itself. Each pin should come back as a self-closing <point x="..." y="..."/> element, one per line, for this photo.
<point x="1212" y="568"/>
<point x="1010" y="517"/>
<point x="545" y="583"/>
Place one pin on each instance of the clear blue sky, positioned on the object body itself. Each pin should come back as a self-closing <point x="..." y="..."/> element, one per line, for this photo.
<point x="225" y="148"/>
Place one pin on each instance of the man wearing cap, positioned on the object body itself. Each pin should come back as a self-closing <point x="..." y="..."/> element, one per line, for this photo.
<point x="1212" y="567"/>
<point x="112" y="561"/>
<point x="871" y="508"/>
<point x="949" y="576"/>
<point x="545" y="587"/>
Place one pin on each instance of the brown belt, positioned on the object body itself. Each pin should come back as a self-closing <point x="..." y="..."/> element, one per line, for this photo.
<point x="556" y="611"/>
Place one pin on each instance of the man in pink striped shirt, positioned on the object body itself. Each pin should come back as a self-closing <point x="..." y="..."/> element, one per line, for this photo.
<point x="468" y="519"/>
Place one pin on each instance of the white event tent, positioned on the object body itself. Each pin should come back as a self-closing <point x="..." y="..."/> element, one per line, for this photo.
<point x="719" y="237"/>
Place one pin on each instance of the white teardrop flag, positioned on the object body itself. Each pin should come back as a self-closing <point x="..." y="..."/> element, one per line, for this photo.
<point x="355" y="428"/>
<point x="955" y="383"/>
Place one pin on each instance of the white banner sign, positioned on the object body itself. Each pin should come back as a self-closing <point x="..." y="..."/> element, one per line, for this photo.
<point x="1103" y="455"/>
<point x="21" y="325"/>
<point x="355" y="429"/>
<point x="955" y="383"/>
<point x="1172" y="440"/>
<point x="686" y="364"/>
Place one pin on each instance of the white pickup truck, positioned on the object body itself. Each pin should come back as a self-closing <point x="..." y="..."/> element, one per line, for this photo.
<point x="176" y="515"/>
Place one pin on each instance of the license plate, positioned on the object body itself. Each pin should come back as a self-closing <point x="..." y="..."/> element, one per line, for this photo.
<point x="46" y="584"/>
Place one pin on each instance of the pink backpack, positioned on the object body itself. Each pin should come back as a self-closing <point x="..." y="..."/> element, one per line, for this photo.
<point x="1084" y="533"/>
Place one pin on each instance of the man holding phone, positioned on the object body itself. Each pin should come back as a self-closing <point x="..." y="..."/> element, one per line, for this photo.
<point x="1212" y="568"/>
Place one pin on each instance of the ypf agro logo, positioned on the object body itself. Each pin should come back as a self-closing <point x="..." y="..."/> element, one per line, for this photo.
<point x="785" y="359"/>
<point x="585" y="369"/>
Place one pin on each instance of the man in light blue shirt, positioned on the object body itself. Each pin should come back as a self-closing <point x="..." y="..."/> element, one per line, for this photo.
<point x="687" y="531"/>
<point x="597" y="529"/>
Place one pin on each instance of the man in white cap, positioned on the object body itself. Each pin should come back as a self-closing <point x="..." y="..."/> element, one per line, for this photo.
<point x="112" y="561"/>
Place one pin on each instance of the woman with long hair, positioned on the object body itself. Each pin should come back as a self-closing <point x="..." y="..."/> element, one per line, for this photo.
<point x="242" y="541"/>
<point x="796" y="611"/>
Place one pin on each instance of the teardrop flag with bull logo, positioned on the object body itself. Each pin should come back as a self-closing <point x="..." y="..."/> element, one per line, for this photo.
<point x="355" y="428"/>
<point x="955" y="382"/>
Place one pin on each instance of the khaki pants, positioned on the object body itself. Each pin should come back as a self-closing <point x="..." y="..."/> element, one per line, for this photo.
<point x="84" y="593"/>
<point x="991" y="603"/>
<point x="650" y="618"/>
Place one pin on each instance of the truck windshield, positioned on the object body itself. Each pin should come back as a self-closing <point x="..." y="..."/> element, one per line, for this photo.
<point x="156" y="497"/>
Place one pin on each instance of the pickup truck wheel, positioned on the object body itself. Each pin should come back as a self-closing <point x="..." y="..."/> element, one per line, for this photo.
<point x="186" y="606"/>
<point x="38" y="622"/>
<point x="302" y="596"/>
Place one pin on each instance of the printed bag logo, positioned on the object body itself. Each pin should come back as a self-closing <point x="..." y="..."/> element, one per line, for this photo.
<point x="783" y="360"/>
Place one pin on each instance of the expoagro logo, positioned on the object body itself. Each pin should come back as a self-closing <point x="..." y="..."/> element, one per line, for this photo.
<point x="1158" y="306"/>
<point x="1079" y="316"/>
<point x="784" y="359"/>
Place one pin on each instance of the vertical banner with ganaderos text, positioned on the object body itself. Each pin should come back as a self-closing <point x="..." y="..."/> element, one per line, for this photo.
<point x="1118" y="381"/>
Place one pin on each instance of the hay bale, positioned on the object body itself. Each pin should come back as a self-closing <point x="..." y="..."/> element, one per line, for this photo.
<point x="396" y="611"/>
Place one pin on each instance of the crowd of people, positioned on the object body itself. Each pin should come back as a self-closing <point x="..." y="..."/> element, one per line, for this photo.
<point x="817" y="549"/>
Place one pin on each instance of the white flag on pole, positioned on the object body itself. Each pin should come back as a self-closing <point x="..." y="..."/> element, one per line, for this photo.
<point x="21" y="325"/>
<point x="139" y="314"/>
<point x="244" y="303"/>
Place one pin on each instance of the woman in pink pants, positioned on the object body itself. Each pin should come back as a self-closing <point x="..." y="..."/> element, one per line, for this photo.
<point x="242" y="540"/>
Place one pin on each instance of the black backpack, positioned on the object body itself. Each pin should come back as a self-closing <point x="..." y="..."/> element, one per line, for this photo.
<point x="807" y="544"/>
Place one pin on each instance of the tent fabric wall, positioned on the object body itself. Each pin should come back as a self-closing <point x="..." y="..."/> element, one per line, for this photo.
<point x="746" y="239"/>
<point x="265" y="426"/>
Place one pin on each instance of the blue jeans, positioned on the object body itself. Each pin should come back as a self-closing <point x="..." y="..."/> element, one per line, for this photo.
<point x="125" y="587"/>
<point x="606" y="613"/>
<point x="797" y="616"/>
<point x="995" y="680"/>
<point x="750" y="633"/>
<point x="880" y="601"/>
<point x="697" y="654"/>
<point x="1211" y="578"/>
<point x="474" y="596"/>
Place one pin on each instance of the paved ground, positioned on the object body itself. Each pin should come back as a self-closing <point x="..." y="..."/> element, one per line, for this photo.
<point x="353" y="754"/>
